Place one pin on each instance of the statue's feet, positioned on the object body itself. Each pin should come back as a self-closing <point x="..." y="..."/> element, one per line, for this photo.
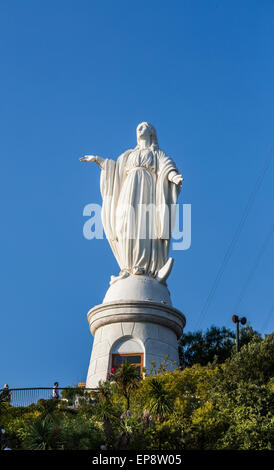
<point x="123" y="275"/>
<point x="138" y="271"/>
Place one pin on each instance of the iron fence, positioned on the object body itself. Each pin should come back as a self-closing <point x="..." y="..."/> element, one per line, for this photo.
<point x="29" y="396"/>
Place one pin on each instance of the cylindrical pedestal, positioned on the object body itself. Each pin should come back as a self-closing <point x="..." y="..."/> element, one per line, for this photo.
<point x="145" y="328"/>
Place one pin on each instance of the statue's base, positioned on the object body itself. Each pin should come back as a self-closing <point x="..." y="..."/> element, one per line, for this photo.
<point x="135" y="320"/>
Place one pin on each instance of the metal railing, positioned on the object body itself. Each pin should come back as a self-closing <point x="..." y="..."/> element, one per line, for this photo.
<point x="29" y="396"/>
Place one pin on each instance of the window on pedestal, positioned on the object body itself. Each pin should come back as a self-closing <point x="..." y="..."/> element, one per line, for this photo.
<point x="130" y="358"/>
<point x="127" y="349"/>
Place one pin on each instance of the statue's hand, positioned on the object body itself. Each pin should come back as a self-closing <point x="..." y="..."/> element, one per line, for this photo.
<point x="177" y="179"/>
<point x="88" y="158"/>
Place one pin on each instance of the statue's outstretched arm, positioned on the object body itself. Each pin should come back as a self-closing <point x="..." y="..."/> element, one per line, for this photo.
<point x="175" y="177"/>
<point x="92" y="158"/>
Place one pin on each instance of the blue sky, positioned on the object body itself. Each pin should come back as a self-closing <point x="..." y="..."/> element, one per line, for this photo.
<point x="77" y="78"/>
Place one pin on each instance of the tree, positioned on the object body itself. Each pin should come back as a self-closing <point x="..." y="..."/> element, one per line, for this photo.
<point x="216" y="344"/>
<point x="47" y="407"/>
<point x="105" y="410"/>
<point x="127" y="380"/>
<point x="254" y="362"/>
<point x="160" y="401"/>
<point x="226" y="405"/>
<point x="44" y="434"/>
<point x="81" y="432"/>
<point x="247" y="334"/>
<point x="199" y="348"/>
<point x="233" y="411"/>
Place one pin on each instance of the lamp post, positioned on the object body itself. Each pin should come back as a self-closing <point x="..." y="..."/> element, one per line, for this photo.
<point x="238" y="320"/>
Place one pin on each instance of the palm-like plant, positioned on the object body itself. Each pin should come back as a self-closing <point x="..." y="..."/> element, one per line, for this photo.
<point x="126" y="428"/>
<point x="104" y="407"/>
<point x="160" y="401"/>
<point x="47" y="407"/>
<point x="127" y="380"/>
<point x="44" y="435"/>
<point x="104" y="390"/>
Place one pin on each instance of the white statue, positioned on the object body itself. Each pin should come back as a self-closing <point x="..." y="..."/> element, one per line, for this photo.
<point x="144" y="182"/>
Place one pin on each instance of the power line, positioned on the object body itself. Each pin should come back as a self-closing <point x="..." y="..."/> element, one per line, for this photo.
<point x="268" y="318"/>
<point x="253" y="269"/>
<point x="234" y="240"/>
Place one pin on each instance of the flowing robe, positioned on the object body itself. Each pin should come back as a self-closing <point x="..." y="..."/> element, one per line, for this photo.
<point x="138" y="209"/>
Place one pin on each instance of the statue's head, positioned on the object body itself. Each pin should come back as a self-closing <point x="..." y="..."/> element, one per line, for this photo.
<point x="145" y="129"/>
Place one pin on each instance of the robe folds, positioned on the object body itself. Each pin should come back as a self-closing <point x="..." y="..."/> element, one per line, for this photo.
<point x="138" y="209"/>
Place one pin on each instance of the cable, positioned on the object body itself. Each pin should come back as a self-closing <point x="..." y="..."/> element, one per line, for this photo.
<point x="253" y="269"/>
<point x="268" y="318"/>
<point x="234" y="240"/>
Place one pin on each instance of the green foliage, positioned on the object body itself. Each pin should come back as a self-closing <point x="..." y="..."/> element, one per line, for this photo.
<point x="160" y="401"/>
<point x="254" y="362"/>
<point x="162" y="436"/>
<point x="216" y="344"/>
<point x="47" y="407"/>
<point x="44" y="434"/>
<point x="81" y="434"/>
<point x="203" y="348"/>
<point x="127" y="380"/>
<point x="219" y="405"/>
<point x="108" y="410"/>
<point x="70" y="392"/>
<point x="163" y="367"/>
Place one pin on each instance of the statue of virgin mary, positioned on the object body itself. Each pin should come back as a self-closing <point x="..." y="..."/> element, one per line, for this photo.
<point x="139" y="193"/>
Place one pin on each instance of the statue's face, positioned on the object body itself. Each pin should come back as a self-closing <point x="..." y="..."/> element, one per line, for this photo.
<point x="143" y="130"/>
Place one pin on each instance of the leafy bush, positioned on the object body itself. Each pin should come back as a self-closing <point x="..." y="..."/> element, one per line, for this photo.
<point x="219" y="405"/>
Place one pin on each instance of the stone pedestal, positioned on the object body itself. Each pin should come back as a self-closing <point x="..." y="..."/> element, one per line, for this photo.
<point x="136" y="316"/>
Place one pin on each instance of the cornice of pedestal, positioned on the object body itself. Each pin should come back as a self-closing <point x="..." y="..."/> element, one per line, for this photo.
<point x="136" y="311"/>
